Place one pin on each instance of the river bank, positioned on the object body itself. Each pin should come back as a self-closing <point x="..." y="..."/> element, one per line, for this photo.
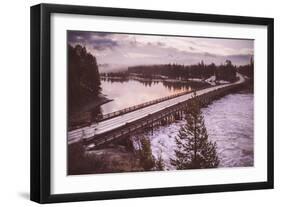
<point x="86" y="114"/>
<point x="114" y="158"/>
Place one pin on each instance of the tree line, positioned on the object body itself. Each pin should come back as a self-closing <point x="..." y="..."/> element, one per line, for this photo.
<point x="226" y="71"/>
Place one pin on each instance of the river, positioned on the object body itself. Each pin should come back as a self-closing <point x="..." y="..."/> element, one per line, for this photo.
<point x="229" y="120"/>
<point x="126" y="93"/>
<point x="229" y="123"/>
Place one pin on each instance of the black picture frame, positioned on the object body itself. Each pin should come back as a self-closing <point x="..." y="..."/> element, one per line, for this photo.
<point x="41" y="95"/>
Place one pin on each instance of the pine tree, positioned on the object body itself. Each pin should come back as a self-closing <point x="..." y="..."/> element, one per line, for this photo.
<point x="145" y="154"/>
<point x="194" y="150"/>
<point x="159" y="163"/>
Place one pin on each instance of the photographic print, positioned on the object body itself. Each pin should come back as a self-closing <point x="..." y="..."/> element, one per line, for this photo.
<point x="146" y="102"/>
<point x="132" y="103"/>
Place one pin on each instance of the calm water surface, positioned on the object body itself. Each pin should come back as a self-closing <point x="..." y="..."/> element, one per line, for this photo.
<point x="132" y="92"/>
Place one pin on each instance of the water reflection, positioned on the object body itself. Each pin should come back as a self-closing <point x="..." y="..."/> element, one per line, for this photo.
<point x="129" y="92"/>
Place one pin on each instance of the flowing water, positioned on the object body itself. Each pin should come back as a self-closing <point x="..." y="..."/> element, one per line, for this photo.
<point x="229" y="123"/>
<point x="229" y="120"/>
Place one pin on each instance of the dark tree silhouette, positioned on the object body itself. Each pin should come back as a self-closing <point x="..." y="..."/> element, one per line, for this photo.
<point x="83" y="76"/>
<point x="247" y="70"/>
<point x="159" y="163"/>
<point x="145" y="154"/>
<point x="226" y="72"/>
<point x="201" y="70"/>
<point x="194" y="150"/>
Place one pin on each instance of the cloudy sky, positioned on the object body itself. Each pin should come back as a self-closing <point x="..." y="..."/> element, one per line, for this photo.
<point x="114" y="51"/>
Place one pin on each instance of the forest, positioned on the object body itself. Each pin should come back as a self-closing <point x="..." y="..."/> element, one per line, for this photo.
<point x="225" y="72"/>
<point x="83" y="77"/>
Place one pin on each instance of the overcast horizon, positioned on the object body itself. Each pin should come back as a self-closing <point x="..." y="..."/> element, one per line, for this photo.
<point x="115" y="51"/>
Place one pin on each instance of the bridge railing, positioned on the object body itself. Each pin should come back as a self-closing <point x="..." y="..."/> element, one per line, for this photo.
<point x="142" y="105"/>
<point x="151" y="118"/>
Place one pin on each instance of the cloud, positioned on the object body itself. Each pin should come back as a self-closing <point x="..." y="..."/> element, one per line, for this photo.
<point x="103" y="43"/>
<point x="97" y="40"/>
<point x="131" y="49"/>
<point x="206" y="54"/>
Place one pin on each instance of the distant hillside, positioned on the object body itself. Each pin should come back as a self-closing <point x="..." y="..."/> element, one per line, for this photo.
<point x="83" y="77"/>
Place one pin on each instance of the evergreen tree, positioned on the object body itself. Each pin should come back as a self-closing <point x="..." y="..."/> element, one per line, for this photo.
<point x="194" y="150"/>
<point x="159" y="163"/>
<point x="145" y="154"/>
<point x="83" y="77"/>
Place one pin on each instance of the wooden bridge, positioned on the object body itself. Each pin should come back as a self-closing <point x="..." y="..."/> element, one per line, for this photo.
<point x="148" y="117"/>
<point x="139" y="106"/>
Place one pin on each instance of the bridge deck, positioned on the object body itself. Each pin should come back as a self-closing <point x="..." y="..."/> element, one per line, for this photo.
<point x="119" y="121"/>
